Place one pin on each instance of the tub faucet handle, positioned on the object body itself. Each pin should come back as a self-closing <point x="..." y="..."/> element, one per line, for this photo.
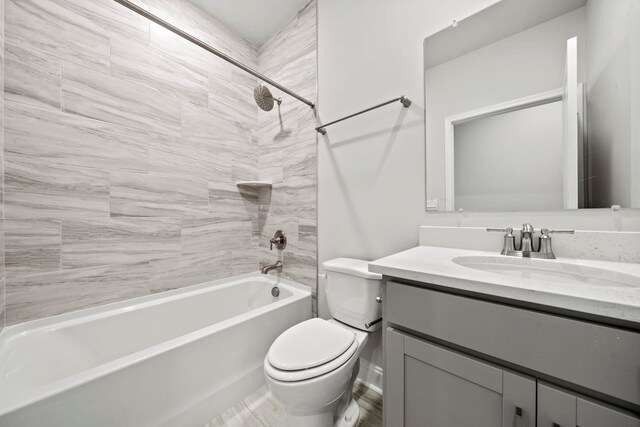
<point x="279" y="240"/>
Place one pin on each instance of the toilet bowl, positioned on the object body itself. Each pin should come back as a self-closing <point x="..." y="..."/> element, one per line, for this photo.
<point x="310" y="368"/>
<point x="311" y="394"/>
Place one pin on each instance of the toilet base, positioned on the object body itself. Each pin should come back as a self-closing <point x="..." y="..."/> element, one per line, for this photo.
<point x="351" y="415"/>
<point x="324" y="419"/>
<point x="349" y="418"/>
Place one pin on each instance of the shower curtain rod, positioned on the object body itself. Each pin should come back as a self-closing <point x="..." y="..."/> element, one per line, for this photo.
<point x="140" y="11"/>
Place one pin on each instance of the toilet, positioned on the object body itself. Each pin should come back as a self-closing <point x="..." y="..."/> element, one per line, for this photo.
<point x="311" y="367"/>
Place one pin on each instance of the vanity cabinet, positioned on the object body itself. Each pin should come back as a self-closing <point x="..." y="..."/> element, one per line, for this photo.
<point x="456" y="360"/>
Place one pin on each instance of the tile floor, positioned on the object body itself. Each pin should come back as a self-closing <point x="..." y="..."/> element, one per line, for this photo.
<point x="259" y="409"/>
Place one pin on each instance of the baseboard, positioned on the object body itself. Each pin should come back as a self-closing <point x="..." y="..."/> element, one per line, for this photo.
<point x="371" y="375"/>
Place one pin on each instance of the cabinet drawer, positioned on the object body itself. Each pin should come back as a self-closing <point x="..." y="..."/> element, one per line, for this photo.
<point x="600" y="358"/>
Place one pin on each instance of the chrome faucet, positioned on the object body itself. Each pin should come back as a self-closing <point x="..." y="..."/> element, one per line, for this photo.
<point x="279" y="240"/>
<point x="277" y="266"/>
<point x="526" y="247"/>
<point x="526" y="238"/>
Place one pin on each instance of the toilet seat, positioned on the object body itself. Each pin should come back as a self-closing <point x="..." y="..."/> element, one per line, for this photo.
<point x="308" y="350"/>
<point x="307" y="374"/>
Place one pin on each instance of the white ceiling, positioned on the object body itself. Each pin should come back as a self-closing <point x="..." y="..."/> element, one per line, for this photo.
<point x="255" y="20"/>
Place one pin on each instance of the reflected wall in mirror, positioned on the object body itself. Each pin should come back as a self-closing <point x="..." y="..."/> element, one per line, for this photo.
<point x="535" y="105"/>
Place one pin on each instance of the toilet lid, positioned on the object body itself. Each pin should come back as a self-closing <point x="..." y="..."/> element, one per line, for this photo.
<point x="306" y="374"/>
<point x="309" y="344"/>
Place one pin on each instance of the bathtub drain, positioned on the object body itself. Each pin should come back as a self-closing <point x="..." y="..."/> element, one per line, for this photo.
<point x="275" y="291"/>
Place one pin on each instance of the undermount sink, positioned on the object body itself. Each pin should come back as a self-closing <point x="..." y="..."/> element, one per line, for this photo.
<point x="552" y="271"/>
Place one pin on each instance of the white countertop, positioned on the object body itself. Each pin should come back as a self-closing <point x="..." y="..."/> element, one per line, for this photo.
<point x="434" y="265"/>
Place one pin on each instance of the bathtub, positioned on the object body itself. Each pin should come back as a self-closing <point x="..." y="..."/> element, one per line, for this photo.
<point x="173" y="359"/>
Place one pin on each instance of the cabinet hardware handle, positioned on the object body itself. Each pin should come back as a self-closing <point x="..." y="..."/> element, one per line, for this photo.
<point x="518" y="421"/>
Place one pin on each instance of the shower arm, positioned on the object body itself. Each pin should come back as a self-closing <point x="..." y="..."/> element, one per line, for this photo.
<point x="153" y="18"/>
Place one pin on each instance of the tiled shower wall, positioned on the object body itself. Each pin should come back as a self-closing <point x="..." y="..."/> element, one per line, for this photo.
<point x="287" y="141"/>
<point x="123" y="144"/>
<point x="2" y="280"/>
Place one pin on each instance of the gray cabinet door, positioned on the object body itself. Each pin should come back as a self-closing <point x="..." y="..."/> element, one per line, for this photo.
<point x="591" y="414"/>
<point x="429" y="385"/>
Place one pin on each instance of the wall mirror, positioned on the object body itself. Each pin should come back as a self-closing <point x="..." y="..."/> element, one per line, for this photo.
<point x="535" y="105"/>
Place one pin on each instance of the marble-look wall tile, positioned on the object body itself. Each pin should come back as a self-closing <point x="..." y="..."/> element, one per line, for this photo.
<point x="156" y="70"/>
<point x="307" y="126"/>
<point x="2" y="303"/>
<point x="124" y="144"/>
<point x="135" y="194"/>
<point x="301" y="267"/>
<point x="110" y="16"/>
<point x="308" y="235"/>
<point x="35" y="134"/>
<point x="277" y="131"/>
<point x="187" y="53"/>
<point x="40" y="190"/>
<point x="200" y="25"/>
<point x="223" y="140"/>
<point x="213" y="139"/>
<point x="245" y="260"/>
<point x="93" y="242"/>
<point x="61" y="32"/>
<point x="31" y="246"/>
<point x="174" y="273"/>
<point x="288" y="150"/>
<point x="2" y="78"/>
<point x="47" y="294"/>
<point x="167" y="10"/>
<point x="171" y="155"/>
<point x="300" y="163"/>
<point x="228" y="202"/>
<point x="100" y="96"/>
<point x="244" y="163"/>
<point x="233" y="99"/>
<point x="209" y="236"/>
<point x="31" y="77"/>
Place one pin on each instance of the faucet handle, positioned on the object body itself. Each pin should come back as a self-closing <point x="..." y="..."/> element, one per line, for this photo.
<point x="546" y="250"/>
<point x="547" y="231"/>
<point x="507" y="230"/>
<point x="279" y="239"/>
<point x="509" y="244"/>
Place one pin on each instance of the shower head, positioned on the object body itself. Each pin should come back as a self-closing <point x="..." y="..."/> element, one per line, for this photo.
<point x="264" y="99"/>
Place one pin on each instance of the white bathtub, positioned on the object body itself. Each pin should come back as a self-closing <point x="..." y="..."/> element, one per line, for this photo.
<point x="172" y="359"/>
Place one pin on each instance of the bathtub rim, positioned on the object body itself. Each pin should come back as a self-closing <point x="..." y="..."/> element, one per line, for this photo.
<point x="48" y="390"/>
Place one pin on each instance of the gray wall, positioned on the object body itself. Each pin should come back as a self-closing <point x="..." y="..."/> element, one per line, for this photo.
<point x="123" y="147"/>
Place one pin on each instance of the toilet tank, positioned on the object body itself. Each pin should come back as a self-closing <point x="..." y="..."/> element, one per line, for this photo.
<point x="351" y="292"/>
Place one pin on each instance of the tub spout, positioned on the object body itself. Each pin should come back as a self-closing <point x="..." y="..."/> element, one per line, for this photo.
<point x="277" y="266"/>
